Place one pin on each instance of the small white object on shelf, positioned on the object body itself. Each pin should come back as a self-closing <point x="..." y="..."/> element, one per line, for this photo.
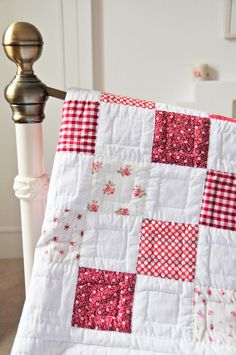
<point x="200" y="72"/>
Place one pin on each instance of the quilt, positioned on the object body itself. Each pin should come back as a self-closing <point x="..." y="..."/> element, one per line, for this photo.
<point x="137" y="254"/>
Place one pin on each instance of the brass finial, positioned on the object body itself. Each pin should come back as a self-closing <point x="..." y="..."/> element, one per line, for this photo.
<point x="26" y="94"/>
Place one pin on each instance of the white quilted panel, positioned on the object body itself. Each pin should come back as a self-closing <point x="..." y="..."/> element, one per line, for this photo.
<point x="102" y="233"/>
<point x="222" y="139"/>
<point x="117" y="137"/>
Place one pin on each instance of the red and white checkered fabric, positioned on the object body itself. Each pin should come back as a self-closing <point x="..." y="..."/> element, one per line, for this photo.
<point x="79" y="126"/>
<point x="219" y="201"/>
<point x="124" y="100"/>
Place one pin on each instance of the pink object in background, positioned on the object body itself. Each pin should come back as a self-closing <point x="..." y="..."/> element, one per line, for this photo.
<point x="200" y="72"/>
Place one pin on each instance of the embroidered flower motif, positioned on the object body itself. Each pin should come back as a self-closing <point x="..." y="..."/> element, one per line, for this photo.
<point x="109" y="188"/>
<point x="72" y="243"/>
<point x="233" y="314"/>
<point x="81" y="233"/>
<point x="211" y="326"/>
<point x="66" y="227"/>
<point x="66" y="210"/>
<point x="138" y="191"/>
<point x="77" y="256"/>
<point x="201" y="315"/>
<point x="61" y="252"/>
<point x="96" y="166"/>
<point x="210" y="312"/>
<point x="55" y="219"/>
<point x="125" y="171"/>
<point x="55" y="239"/>
<point x="79" y="216"/>
<point x="196" y="290"/>
<point x="122" y="211"/>
<point x="93" y="206"/>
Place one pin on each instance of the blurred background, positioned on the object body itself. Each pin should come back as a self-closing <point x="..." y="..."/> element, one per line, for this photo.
<point x="150" y="49"/>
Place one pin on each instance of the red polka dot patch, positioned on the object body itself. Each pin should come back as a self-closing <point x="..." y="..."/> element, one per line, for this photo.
<point x="115" y="99"/>
<point x="104" y="300"/>
<point x="168" y="250"/>
<point x="181" y="139"/>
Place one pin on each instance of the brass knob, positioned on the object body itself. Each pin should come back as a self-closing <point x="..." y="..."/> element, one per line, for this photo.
<point x="26" y="94"/>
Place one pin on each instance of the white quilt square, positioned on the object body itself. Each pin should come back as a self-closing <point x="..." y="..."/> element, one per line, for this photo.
<point x="216" y="261"/>
<point x="70" y="182"/>
<point x="174" y="193"/>
<point x="222" y="138"/>
<point x="162" y="308"/>
<point x="125" y="132"/>
<point x="110" y="242"/>
<point x="168" y="196"/>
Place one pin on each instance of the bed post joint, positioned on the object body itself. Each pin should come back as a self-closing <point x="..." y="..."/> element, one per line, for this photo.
<point x="26" y="94"/>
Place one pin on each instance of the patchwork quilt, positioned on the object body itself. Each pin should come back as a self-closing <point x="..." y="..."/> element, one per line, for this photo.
<point x="137" y="254"/>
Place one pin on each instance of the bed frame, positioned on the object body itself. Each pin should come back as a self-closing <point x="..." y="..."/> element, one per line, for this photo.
<point x="27" y="95"/>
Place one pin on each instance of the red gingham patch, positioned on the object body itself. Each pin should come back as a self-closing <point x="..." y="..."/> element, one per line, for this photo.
<point x="79" y="126"/>
<point x="115" y="99"/>
<point x="181" y="139"/>
<point x="168" y="250"/>
<point x="219" y="201"/>
<point x="104" y="300"/>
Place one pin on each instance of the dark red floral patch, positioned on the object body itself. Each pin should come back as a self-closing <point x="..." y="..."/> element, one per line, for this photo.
<point x="104" y="300"/>
<point x="181" y="139"/>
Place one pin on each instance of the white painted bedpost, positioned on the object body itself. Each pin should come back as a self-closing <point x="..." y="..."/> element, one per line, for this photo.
<point x="30" y="185"/>
<point x="27" y="95"/>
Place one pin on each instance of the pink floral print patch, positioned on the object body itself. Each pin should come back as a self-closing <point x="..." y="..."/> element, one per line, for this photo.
<point x="215" y="315"/>
<point x="181" y="139"/>
<point x="168" y="250"/>
<point x="62" y="233"/>
<point x="104" y="300"/>
<point x="118" y="187"/>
